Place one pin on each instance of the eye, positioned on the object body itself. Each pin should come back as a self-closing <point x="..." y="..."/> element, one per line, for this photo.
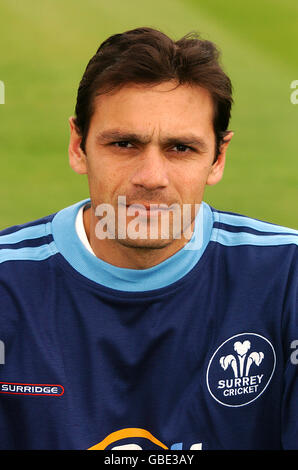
<point x="122" y="144"/>
<point x="182" y="148"/>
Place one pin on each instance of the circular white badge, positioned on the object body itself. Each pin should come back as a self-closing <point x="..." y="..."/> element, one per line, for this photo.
<point x="240" y="369"/>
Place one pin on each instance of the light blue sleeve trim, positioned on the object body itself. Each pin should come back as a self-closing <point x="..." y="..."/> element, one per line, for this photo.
<point x="227" y="238"/>
<point x="37" y="253"/>
<point x="242" y="221"/>
<point x="35" y="231"/>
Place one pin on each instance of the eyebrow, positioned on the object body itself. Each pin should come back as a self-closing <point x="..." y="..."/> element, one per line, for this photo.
<point x="121" y="135"/>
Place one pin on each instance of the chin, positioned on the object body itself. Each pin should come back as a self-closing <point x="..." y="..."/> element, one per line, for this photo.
<point x="145" y="244"/>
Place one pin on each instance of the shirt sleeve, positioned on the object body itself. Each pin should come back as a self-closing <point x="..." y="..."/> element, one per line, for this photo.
<point x="289" y="410"/>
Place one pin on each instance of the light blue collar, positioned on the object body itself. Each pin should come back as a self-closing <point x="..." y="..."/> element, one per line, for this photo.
<point x="123" y="279"/>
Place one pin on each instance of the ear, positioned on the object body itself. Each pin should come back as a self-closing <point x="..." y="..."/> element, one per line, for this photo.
<point x="77" y="157"/>
<point x="217" y="169"/>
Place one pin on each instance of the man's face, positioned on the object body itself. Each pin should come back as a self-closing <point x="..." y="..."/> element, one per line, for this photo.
<point x="153" y="145"/>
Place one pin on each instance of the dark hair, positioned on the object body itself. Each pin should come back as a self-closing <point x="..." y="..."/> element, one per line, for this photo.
<point x="148" y="56"/>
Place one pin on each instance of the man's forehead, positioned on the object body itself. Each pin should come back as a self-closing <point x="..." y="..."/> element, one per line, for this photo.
<point x="143" y="120"/>
<point x="186" y="92"/>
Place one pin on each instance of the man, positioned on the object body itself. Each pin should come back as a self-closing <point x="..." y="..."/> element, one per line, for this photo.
<point x="143" y="318"/>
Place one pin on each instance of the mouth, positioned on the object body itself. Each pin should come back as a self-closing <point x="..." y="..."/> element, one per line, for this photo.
<point x="152" y="207"/>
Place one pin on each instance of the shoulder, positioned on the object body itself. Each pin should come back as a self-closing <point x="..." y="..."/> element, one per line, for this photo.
<point x="253" y="247"/>
<point x="232" y="229"/>
<point x="23" y="246"/>
<point x="31" y="241"/>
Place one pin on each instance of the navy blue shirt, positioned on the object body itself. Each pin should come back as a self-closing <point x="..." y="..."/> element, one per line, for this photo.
<point x="197" y="352"/>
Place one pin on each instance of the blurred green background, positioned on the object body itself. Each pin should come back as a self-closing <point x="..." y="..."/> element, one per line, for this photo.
<point x="45" y="46"/>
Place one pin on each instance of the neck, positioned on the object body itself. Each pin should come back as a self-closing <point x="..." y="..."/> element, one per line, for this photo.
<point x="122" y="255"/>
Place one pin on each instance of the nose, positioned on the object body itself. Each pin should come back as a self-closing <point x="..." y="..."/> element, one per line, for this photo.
<point x="151" y="171"/>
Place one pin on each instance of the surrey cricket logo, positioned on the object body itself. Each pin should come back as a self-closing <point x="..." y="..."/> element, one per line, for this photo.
<point x="240" y="369"/>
